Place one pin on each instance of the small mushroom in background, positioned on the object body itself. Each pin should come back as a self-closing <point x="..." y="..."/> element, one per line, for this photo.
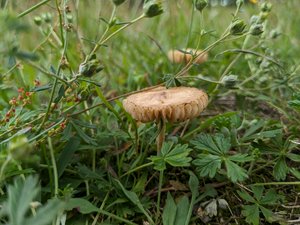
<point x="187" y="55"/>
<point x="163" y="105"/>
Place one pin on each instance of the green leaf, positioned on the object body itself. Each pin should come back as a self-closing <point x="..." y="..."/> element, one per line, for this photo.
<point x="244" y="195"/>
<point x="263" y="134"/>
<point x="295" y="172"/>
<point x="234" y="172"/>
<point x="207" y="165"/>
<point x="41" y="88"/>
<point x="169" y="213"/>
<point x="258" y="192"/>
<point x="294" y="157"/>
<point x="209" y="191"/>
<point x="254" y="128"/>
<point x="82" y="205"/>
<point x="60" y="94"/>
<point x="251" y="212"/>
<point x="87" y="174"/>
<point x="134" y="199"/>
<point x="17" y="207"/>
<point x="241" y="158"/>
<point x="194" y="185"/>
<point x="295" y="103"/>
<point x="177" y="156"/>
<point x="20" y="194"/>
<point x="182" y="211"/>
<point x="280" y="169"/>
<point x="267" y="214"/>
<point x="51" y="209"/>
<point x="83" y="135"/>
<point x="217" y="145"/>
<point x="270" y="198"/>
<point x="85" y="207"/>
<point x="26" y="55"/>
<point x="67" y="154"/>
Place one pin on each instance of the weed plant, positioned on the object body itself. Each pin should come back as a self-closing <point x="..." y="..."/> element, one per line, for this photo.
<point x="69" y="152"/>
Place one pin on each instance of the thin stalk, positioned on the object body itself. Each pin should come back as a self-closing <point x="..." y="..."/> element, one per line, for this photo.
<point x="226" y="71"/>
<point x="20" y="169"/>
<point x="101" y="211"/>
<point x="191" y="25"/>
<point x="61" y="20"/>
<point x="161" y="136"/>
<point x="10" y="70"/>
<point x="161" y="177"/>
<point x="137" y="168"/>
<point x="33" y="8"/>
<point x="87" y="187"/>
<point x="199" y="78"/>
<point x="8" y="159"/>
<point x="64" y="40"/>
<point x="55" y="174"/>
<point x="104" y="34"/>
<point x="277" y="183"/>
<point x="190" y="211"/>
<point x="49" y="167"/>
<point x="46" y="72"/>
<point x="101" y="42"/>
<point x="188" y="66"/>
<point x="93" y="134"/>
<point x="101" y="208"/>
<point x="45" y="131"/>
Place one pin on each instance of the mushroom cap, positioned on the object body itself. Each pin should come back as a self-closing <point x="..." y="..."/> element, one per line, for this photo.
<point x="177" y="56"/>
<point x="172" y="104"/>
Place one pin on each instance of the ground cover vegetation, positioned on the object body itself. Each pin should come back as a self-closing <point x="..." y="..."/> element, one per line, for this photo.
<point x="71" y="154"/>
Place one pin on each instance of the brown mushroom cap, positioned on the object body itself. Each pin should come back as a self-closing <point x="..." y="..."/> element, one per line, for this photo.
<point x="172" y="104"/>
<point x="177" y="56"/>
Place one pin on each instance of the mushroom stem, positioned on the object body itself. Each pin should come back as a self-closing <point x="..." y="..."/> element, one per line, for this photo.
<point x="161" y="136"/>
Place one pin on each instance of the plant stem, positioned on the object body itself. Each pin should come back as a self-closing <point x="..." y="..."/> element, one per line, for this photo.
<point x="101" y="211"/>
<point x="101" y="42"/>
<point x="55" y="174"/>
<point x="32" y="8"/>
<point x="46" y="72"/>
<point x="105" y="32"/>
<point x="87" y="187"/>
<point x="191" y="25"/>
<point x="101" y="208"/>
<point x="278" y="183"/>
<point x="161" y="136"/>
<point x="161" y="176"/>
<point x="45" y="131"/>
<point x="65" y="43"/>
<point x="8" y="159"/>
<point x="189" y="65"/>
<point x="137" y="168"/>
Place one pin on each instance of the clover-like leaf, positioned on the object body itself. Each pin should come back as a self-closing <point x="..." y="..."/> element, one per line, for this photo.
<point x="215" y="153"/>
<point x="216" y="145"/>
<point x="175" y="156"/>
<point x="258" y="203"/>
<point x="208" y="165"/>
<point x="234" y="172"/>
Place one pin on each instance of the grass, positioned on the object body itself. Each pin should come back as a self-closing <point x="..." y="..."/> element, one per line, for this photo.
<point x="67" y="137"/>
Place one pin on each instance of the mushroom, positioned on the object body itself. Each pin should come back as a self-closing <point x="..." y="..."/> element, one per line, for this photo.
<point x="162" y="105"/>
<point x="187" y="55"/>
